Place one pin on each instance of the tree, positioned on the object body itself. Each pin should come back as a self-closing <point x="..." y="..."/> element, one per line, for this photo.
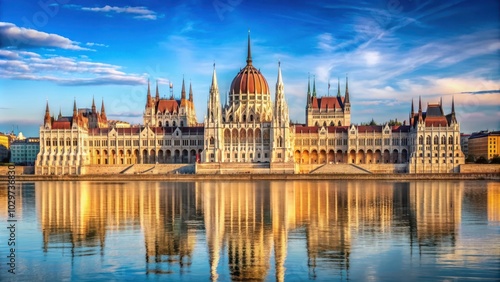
<point x="495" y="160"/>
<point x="470" y="159"/>
<point x="481" y="160"/>
<point x="394" y="122"/>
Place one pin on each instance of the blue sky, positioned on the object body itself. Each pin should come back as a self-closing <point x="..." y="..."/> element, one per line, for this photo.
<point x="393" y="51"/>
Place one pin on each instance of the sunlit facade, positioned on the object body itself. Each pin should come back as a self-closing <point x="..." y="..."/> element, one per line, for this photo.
<point x="250" y="133"/>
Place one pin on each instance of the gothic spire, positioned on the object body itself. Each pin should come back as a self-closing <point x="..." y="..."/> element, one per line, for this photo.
<point x="47" y="113"/>
<point x="338" y="87"/>
<point x="183" y="91"/>
<point x="190" y="92"/>
<point x="93" y="105"/>
<point x="60" y="113"/>
<point x="103" y="111"/>
<point x="308" y="90"/>
<point x="214" y="80"/>
<point x="453" y="104"/>
<point x="419" y="104"/>
<point x="412" y="109"/>
<point x="148" y="97"/>
<point x="249" y="51"/>
<point x="157" y="97"/>
<point x="314" y="86"/>
<point x="74" y="108"/>
<point x="346" y="90"/>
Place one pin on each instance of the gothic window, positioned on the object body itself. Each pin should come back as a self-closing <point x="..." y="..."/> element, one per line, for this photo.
<point x="173" y="123"/>
<point x="244" y="118"/>
<point x="436" y="140"/>
<point x="427" y="140"/>
<point x="159" y="124"/>
<point x="324" y="123"/>
<point x="231" y="118"/>
<point x="450" y="140"/>
<point x="443" y="140"/>
<point x="420" y="140"/>
<point x="251" y="117"/>
<point x="182" y="123"/>
<point x="166" y="123"/>
<point x="340" y="124"/>
<point x="316" y="124"/>
<point x="211" y="140"/>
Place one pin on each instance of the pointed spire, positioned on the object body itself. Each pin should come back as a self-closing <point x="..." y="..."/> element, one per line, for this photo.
<point x="338" y="87"/>
<point x="308" y="90"/>
<point x="47" y="113"/>
<point x="346" y="89"/>
<point x="412" y="108"/>
<point x="280" y="79"/>
<point x="453" y="104"/>
<point x="190" y="92"/>
<point x="157" y="97"/>
<point x="60" y="113"/>
<point x="314" y="86"/>
<point x="214" y="80"/>
<point x="74" y="108"/>
<point x="103" y="111"/>
<point x="93" y="105"/>
<point x="419" y="104"/>
<point x="148" y="97"/>
<point x="249" y="51"/>
<point x="183" y="91"/>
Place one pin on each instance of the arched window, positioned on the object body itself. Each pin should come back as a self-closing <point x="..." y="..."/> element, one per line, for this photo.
<point x="428" y="140"/>
<point x="244" y="118"/>
<point x="173" y="123"/>
<point x="340" y="124"/>
<point x="251" y="117"/>
<point x="443" y="140"/>
<point x="420" y="140"/>
<point x="166" y="123"/>
<point x="182" y="123"/>
<point x="450" y="140"/>
<point x="436" y="140"/>
<point x="211" y="140"/>
<point x="231" y="118"/>
<point x="159" y="124"/>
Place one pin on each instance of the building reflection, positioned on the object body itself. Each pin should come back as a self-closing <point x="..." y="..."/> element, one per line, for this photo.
<point x="436" y="208"/>
<point x="246" y="227"/>
<point x="493" y="201"/>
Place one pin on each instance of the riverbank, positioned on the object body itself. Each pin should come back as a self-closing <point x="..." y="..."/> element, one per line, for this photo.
<point x="250" y="177"/>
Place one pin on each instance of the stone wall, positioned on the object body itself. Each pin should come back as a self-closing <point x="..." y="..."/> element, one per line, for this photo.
<point x="480" y="168"/>
<point x="139" y="169"/>
<point x="384" y="168"/>
<point x="19" y="170"/>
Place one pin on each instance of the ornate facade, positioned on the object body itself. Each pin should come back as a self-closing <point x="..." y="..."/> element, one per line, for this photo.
<point x="250" y="133"/>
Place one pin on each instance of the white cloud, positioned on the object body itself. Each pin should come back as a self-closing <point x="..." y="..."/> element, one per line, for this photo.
<point x="138" y="12"/>
<point x="20" y="37"/>
<point x="371" y="58"/>
<point x="23" y="65"/>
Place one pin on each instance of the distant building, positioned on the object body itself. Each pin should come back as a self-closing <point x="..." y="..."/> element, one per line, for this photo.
<point x="484" y="144"/>
<point x="464" y="143"/>
<point x="24" y="152"/>
<point x="4" y="147"/>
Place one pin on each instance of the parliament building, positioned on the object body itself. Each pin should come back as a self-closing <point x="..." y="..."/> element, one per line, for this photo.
<point x="250" y="133"/>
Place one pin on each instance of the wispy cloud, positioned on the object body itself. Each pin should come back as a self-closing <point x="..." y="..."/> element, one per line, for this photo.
<point x="20" y="37"/>
<point x="61" y="70"/>
<point x="139" y="12"/>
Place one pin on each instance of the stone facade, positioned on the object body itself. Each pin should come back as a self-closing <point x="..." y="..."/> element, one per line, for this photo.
<point x="251" y="133"/>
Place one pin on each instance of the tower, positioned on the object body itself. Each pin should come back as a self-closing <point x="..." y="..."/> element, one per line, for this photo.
<point x="281" y="124"/>
<point x="212" y="133"/>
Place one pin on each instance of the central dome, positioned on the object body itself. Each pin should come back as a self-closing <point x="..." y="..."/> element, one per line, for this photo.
<point x="249" y="81"/>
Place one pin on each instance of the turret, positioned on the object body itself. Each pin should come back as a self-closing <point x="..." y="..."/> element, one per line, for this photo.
<point x="47" y="119"/>
<point x="190" y="92"/>
<point x="103" y="112"/>
<point x="346" y="101"/>
<point x="93" y="106"/>
<point x="183" y="91"/>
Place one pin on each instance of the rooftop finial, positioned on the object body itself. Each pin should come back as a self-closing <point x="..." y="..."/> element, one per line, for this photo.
<point x="249" y="51"/>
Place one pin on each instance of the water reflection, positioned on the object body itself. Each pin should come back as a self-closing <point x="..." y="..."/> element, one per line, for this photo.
<point x="246" y="228"/>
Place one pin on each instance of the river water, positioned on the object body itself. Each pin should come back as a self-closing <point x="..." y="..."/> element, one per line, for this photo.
<point x="256" y="230"/>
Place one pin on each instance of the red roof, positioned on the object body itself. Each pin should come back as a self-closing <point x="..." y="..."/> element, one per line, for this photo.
<point x="329" y="103"/>
<point x="167" y="105"/>
<point x="61" y="125"/>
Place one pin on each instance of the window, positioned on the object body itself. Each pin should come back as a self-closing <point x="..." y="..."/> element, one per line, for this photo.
<point x="185" y="142"/>
<point x="177" y="142"/>
<point x="144" y="142"/>
<point x="113" y="143"/>
<point x="128" y="142"/>
<point x="136" y="143"/>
